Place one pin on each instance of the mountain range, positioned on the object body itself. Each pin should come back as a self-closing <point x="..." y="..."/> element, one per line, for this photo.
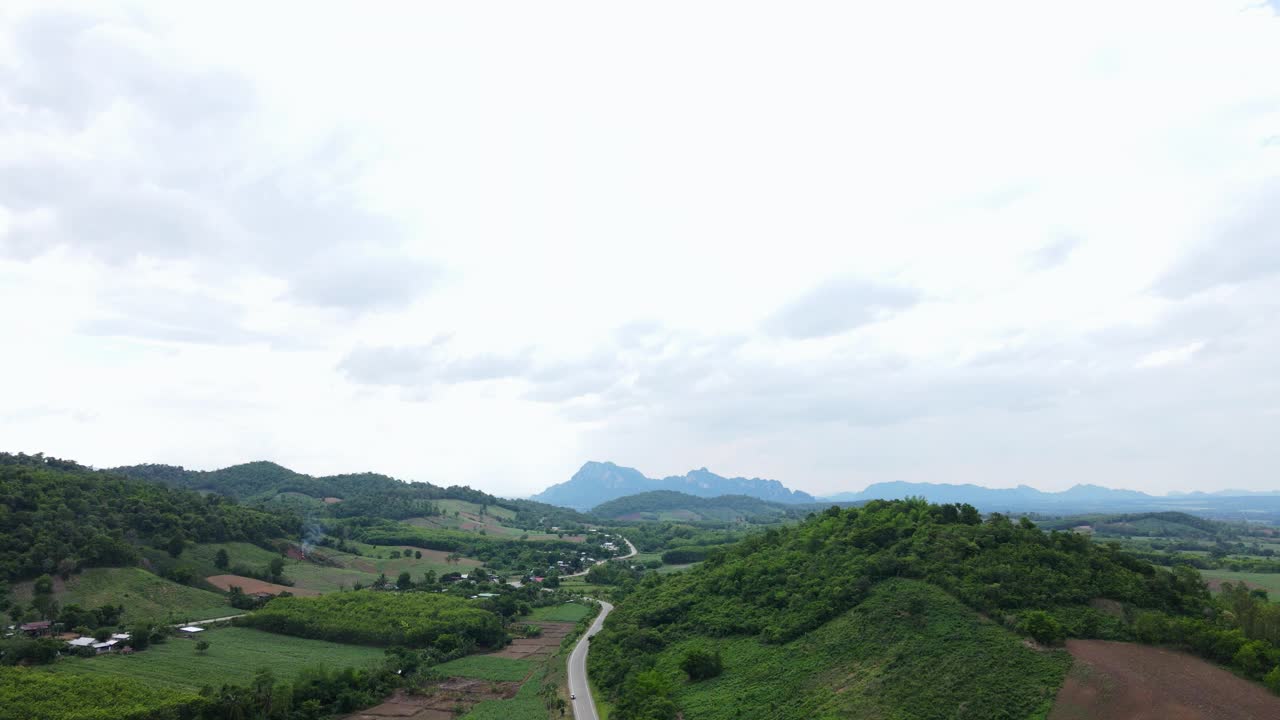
<point x="600" y="482"/>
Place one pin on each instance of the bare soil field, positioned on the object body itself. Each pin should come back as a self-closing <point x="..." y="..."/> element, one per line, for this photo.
<point x="251" y="585"/>
<point x="1127" y="681"/>
<point x="441" y="701"/>
<point x="542" y="646"/>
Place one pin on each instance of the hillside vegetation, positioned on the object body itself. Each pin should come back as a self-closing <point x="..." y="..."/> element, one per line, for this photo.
<point x="369" y="617"/>
<point x="778" y="586"/>
<point x="57" y="517"/>
<point x="672" y="505"/>
<point x="869" y="663"/>
<point x="350" y="495"/>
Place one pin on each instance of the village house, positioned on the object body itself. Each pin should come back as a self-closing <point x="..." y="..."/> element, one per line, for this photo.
<point x="37" y="629"/>
<point x="188" y="631"/>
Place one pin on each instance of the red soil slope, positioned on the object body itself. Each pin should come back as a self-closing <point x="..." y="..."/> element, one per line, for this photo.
<point x="1125" y="681"/>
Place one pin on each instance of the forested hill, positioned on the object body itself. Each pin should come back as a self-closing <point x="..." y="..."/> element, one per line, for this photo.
<point x="798" y="587"/>
<point x="672" y="505"/>
<point x="57" y="517"/>
<point x="350" y="495"/>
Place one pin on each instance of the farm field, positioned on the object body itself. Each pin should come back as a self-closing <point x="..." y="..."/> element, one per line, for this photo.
<point x="198" y="559"/>
<point x="1267" y="581"/>
<point x="487" y="667"/>
<point x="145" y="596"/>
<point x="253" y="585"/>
<point x="466" y="516"/>
<point x="1126" y="681"/>
<point x="234" y="655"/>
<point x="344" y="570"/>
<point x="526" y="705"/>
<point x="564" y="612"/>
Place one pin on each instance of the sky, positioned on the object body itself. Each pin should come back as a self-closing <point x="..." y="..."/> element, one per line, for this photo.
<point x="831" y="244"/>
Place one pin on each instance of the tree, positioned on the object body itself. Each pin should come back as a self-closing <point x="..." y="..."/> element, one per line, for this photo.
<point x="276" y="567"/>
<point x="404" y="581"/>
<point x="43" y="585"/>
<point x="701" y="664"/>
<point x="417" y="554"/>
<point x="202" y="646"/>
<point x="176" y="545"/>
<point x="222" y="561"/>
<point x="1043" y="627"/>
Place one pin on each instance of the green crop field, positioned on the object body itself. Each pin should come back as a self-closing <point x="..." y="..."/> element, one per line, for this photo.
<point x="234" y="655"/>
<point x="487" y="667"/>
<point x="564" y="612"/>
<point x="145" y="596"/>
<point x="526" y="705"/>
<point x="199" y="559"/>
<point x="1267" y="581"/>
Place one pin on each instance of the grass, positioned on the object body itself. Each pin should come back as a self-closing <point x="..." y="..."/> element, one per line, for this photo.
<point x="487" y="667"/>
<point x="470" y="508"/>
<point x="526" y="705"/>
<point x="199" y="559"/>
<point x="564" y="612"/>
<point x="145" y="596"/>
<point x="908" y="651"/>
<point x="234" y="655"/>
<point x="349" y="569"/>
<point x="1267" y="581"/>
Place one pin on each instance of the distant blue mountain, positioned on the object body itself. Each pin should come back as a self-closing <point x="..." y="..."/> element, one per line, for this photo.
<point x="600" y="482"/>
<point x="1020" y="497"/>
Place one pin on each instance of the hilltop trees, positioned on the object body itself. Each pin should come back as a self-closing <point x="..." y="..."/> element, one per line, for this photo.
<point x="782" y="583"/>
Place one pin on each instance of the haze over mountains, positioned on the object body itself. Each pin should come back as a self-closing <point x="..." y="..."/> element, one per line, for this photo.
<point x="597" y="483"/>
<point x="600" y="482"/>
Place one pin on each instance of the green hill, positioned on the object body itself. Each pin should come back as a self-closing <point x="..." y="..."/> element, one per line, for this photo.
<point x="672" y="505"/>
<point x="869" y="603"/>
<point x="870" y="662"/>
<point x="59" y="517"/>
<point x="348" y="495"/>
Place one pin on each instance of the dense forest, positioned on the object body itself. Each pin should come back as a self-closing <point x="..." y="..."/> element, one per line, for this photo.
<point x="368" y="617"/>
<point x="57" y="517"/>
<point x="780" y="584"/>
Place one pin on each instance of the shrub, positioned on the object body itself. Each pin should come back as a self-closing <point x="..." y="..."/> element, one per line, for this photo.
<point x="701" y="664"/>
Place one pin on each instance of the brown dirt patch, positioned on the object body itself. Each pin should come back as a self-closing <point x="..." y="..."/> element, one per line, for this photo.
<point x="1215" y="585"/>
<point x="1126" y="681"/>
<point x="438" y="700"/>
<point x="542" y="646"/>
<point x="252" y="585"/>
<point x="332" y="500"/>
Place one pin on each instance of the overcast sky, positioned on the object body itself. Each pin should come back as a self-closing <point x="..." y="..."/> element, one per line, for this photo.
<point x="482" y="243"/>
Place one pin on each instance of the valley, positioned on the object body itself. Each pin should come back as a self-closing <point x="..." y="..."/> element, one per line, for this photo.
<point x="449" y="603"/>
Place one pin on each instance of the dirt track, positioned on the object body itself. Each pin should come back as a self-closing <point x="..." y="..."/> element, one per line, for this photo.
<point x="1126" y="681"/>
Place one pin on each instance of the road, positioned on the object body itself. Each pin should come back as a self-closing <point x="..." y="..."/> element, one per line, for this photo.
<point x="584" y="708"/>
<point x="210" y="620"/>
<point x="620" y="557"/>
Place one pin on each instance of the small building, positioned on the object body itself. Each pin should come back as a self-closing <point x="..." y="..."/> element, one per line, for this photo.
<point x="37" y="629"/>
<point x="105" y="647"/>
<point x="120" y="636"/>
<point x="80" y="642"/>
<point x="190" y="630"/>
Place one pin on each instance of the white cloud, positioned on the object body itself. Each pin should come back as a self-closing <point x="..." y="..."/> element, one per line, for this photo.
<point x="1169" y="356"/>
<point x="832" y="244"/>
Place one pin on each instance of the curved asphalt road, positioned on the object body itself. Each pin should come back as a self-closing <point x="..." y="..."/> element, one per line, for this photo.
<point x="584" y="708"/>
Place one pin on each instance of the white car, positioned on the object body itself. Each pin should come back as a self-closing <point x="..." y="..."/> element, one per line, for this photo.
<point x="572" y="696"/>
